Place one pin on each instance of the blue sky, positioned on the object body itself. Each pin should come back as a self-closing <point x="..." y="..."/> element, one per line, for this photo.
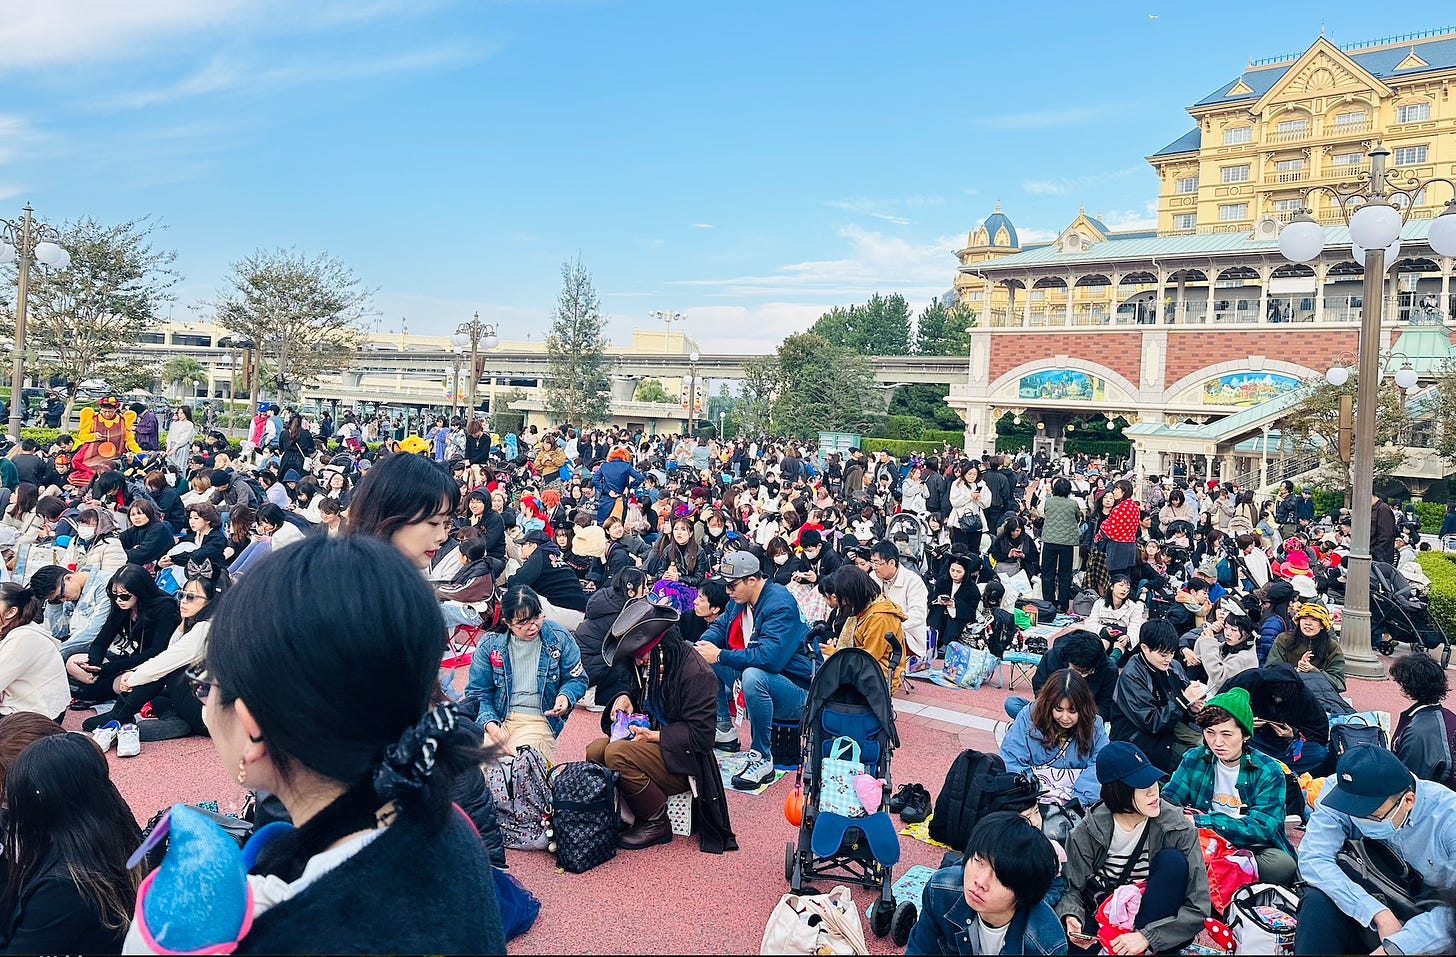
<point x="748" y="165"/>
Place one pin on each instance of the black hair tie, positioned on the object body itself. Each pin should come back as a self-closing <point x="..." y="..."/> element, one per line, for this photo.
<point x="408" y="763"/>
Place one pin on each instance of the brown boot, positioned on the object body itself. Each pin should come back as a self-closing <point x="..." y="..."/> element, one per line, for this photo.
<point x="649" y="807"/>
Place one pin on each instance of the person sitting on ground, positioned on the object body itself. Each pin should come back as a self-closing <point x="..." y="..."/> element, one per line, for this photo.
<point x="407" y="501"/>
<point x="1372" y="795"/>
<point x="163" y="680"/>
<point x="678" y="557"/>
<point x="1117" y="615"/>
<point x="1061" y="731"/>
<point x="99" y="543"/>
<point x="545" y="571"/>
<point x="365" y="768"/>
<point x="148" y="538"/>
<point x="1425" y="733"/>
<point x="1310" y="646"/>
<point x="1190" y="607"/>
<point x="1134" y="835"/>
<point x="32" y="673"/>
<point x="525" y="681"/>
<point x="1235" y="791"/>
<point x="1081" y="651"/>
<point x="957" y="598"/>
<point x="68" y="833"/>
<point x="1289" y="723"/>
<point x="872" y="623"/>
<point x="653" y="672"/>
<point x="1274" y="601"/>
<point x="141" y="620"/>
<point x="760" y="640"/>
<point x="907" y="590"/>
<point x="993" y="901"/>
<point x="1223" y="653"/>
<point x="602" y="609"/>
<point x="1153" y="703"/>
<point x="205" y="525"/>
<point x="708" y="607"/>
<point x="1013" y="550"/>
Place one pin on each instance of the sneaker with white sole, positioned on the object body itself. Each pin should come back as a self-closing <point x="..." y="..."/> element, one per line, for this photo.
<point x="105" y="736"/>
<point x="128" y="741"/>
<point x="755" y="774"/>
<point x="726" y="739"/>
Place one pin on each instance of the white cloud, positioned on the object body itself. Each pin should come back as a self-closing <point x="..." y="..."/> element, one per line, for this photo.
<point x="1034" y="235"/>
<point x="52" y="32"/>
<point x="878" y="263"/>
<point x="861" y="206"/>
<point x="223" y="73"/>
<point x="435" y="316"/>
<point x="1133" y="219"/>
<point x="704" y="226"/>
<point x="1069" y="184"/>
<point x="739" y="329"/>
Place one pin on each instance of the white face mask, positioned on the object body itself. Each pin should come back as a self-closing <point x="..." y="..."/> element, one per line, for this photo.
<point x="781" y="559"/>
<point x="85" y="533"/>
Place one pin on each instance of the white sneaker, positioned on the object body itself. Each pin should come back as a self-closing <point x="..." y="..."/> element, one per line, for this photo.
<point x="105" y="736"/>
<point x="128" y="741"/>
<point x="755" y="774"/>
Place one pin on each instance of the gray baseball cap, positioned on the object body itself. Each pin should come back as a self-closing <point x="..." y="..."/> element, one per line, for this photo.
<point x="738" y="565"/>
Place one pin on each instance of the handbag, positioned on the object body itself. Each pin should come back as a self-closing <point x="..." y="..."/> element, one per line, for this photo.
<point x="836" y="778"/>
<point x="967" y="667"/>
<point x="1262" y="919"/>
<point x="1057" y="784"/>
<point x="814" y="924"/>
<point x="1384" y="876"/>
<point x="972" y="522"/>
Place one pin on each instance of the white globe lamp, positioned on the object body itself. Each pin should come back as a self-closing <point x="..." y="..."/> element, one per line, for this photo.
<point x="1337" y="376"/>
<point x="1406" y="377"/>
<point x="1375" y="225"/>
<point x="1303" y="239"/>
<point x="1441" y="235"/>
<point x="52" y="255"/>
<point x="1392" y="253"/>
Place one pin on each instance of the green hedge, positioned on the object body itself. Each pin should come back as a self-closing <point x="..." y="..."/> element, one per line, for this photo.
<point x="43" y="437"/>
<point x="1327" y="502"/>
<point x="1113" y="447"/>
<point x="1442" y="572"/>
<point x="904" y="427"/>
<point x="902" y="449"/>
<point x="956" y="437"/>
<point x="1012" y="443"/>
<point x="1433" y="516"/>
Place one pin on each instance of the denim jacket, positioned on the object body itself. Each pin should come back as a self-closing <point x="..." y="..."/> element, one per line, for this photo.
<point x="947" y="925"/>
<point x="560" y="672"/>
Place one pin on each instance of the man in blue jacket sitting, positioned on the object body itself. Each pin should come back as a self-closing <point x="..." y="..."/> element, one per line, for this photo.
<point x="773" y="664"/>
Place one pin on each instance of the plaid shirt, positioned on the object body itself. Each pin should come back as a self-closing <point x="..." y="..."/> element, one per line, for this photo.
<point x="1261" y="789"/>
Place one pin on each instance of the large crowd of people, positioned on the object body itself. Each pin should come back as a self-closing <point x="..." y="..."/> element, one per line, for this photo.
<point x="693" y="586"/>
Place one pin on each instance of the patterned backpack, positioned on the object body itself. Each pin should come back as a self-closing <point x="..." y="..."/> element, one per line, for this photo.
<point x="522" y="800"/>
<point x="587" y="817"/>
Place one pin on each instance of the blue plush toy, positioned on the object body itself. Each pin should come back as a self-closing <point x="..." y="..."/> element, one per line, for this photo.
<point x="198" y="901"/>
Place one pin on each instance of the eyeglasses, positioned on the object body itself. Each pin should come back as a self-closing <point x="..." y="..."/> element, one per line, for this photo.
<point x="1387" y="815"/>
<point x="528" y="622"/>
<point x="201" y="687"/>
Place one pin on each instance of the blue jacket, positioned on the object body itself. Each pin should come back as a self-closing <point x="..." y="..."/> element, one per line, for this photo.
<point x="947" y="925"/>
<point x="1023" y="749"/>
<point x="778" y="644"/>
<point x="617" y="477"/>
<point x="560" y="672"/>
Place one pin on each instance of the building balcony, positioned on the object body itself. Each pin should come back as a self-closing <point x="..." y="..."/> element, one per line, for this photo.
<point x="1349" y="129"/>
<point x="1292" y="136"/>
<point x="1291" y="176"/>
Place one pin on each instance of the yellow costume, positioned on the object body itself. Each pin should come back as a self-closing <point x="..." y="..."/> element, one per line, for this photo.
<point x="105" y="435"/>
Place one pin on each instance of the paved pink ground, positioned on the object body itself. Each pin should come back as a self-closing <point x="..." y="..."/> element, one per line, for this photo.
<point x="672" y="899"/>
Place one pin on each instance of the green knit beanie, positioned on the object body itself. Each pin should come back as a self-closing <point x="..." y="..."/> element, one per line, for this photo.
<point x="1236" y="702"/>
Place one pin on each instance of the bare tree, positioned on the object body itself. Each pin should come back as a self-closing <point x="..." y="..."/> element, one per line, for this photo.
<point x="304" y="316"/>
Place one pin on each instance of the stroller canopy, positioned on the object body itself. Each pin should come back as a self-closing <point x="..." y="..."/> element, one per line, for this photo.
<point x="853" y="676"/>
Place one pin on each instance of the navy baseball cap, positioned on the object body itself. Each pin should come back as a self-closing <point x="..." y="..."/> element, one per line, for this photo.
<point x="1125" y="762"/>
<point x="1365" y="778"/>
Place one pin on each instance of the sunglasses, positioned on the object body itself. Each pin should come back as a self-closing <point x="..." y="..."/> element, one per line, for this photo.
<point x="191" y="596"/>
<point x="122" y="596"/>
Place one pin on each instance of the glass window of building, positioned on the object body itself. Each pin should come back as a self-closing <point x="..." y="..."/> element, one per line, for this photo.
<point x="1413" y="113"/>
<point x="1185" y="221"/>
<point x="1409" y="155"/>
<point x="1188" y="184"/>
<point x="1233" y="212"/>
<point x="1237" y="135"/>
<point x="1236" y="174"/>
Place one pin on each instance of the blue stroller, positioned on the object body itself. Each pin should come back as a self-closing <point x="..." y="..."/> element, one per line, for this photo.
<point x="849" y="697"/>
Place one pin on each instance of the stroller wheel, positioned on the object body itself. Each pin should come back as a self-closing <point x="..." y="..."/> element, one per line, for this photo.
<point x="902" y="923"/>
<point x="881" y="916"/>
<point x="1386" y="645"/>
<point x="789" y="855"/>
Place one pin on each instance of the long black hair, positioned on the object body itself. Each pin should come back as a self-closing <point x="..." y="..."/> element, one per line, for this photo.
<point x="350" y="704"/>
<point x="664" y="663"/>
<point x="63" y="808"/>
<point x="151" y="602"/>
<point x="401" y="490"/>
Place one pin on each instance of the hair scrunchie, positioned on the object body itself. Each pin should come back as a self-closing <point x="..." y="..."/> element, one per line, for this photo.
<point x="408" y="762"/>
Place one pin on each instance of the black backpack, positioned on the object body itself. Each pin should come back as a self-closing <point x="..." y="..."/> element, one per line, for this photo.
<point x="1356" y="731"/>
<point x="256" y="495"/>
<point x="958" y="805"/>
<point x="586" y="816"/>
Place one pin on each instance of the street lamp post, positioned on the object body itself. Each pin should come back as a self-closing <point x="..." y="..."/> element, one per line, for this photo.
<point x="237" y="345"/>
<point x="667" y="317"/>
<point x="721" y="415"/>
<point x="25" y="241"/>
<point x="692" y="392"/>
<point x="1367" y="206"/>
<point x="477" y="335"/>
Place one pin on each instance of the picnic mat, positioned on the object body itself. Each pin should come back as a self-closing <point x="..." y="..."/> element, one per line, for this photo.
<point x="921" y="832"/>
<point x="909" y="889"/>
<point x="731" y="764"/>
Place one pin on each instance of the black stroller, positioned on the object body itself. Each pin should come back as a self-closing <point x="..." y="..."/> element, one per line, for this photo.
<point x="849" y="697"/>
<point x="1400" y="615"/>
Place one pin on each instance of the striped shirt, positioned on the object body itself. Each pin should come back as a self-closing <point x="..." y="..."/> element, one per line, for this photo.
<point x="1122" y="846"/>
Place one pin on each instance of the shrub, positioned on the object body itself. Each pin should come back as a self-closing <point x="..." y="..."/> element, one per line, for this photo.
<point x="1013" y="443"/>
<point x="956" y="437"/>
<point x="1440" y="569"/>
<point x="1433" y="515"/>
<point x="1117" y="448"/>
<point x="902" y="449"/>
<point x="1328" y="502"/>
<point x="43" y="437"/>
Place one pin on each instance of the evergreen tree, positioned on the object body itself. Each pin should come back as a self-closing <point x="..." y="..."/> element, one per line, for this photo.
<point x="880" y="327"/>
<point x="940" y="330"/>
<point x="577" y="389"/>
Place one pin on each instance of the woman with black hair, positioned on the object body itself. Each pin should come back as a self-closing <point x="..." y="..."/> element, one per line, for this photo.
<point x="21" y="514"/>
<point x="1153" y="702"/>
<point x="1425" y="733"/>
<point x="653" y="672"/>
<point x="479" y="514"/>
<point x="1132" y="836"/>
<point x="365" y="767"/>
<point x="1310" y="647"/>
<point x="205" y="526"/>
<point x="294" y="446"/>
<point x="32" y="673"/>
<point x="1224" y="649"/>
<point x="147" y="539"/>
<point x="407" y="501"/>
<point x="783" y="564"/>
<point x="1014" y="551"/>
<point x="525" y="680"/>
<point x="141" y="619"/>
<point x="872" y="622"/>
<point x="337" y="483"/>
<point x="678" y="557"/>
<point x="162" y="680"/>
<point x="1117" y="617"/>
<point x="969" y="499"/>
<point x="1275" y="619"/>
<point x="957" y="598"/>
<point x="68" y="834"/>
<point x="602" y="609"/>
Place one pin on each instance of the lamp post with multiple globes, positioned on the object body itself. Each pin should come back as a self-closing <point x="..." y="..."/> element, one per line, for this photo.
<point x="22" y="243"/>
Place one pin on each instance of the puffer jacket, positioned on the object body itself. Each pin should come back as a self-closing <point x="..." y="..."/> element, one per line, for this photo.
<point x="601" y="610"/>
<point x="869" y="631"/>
